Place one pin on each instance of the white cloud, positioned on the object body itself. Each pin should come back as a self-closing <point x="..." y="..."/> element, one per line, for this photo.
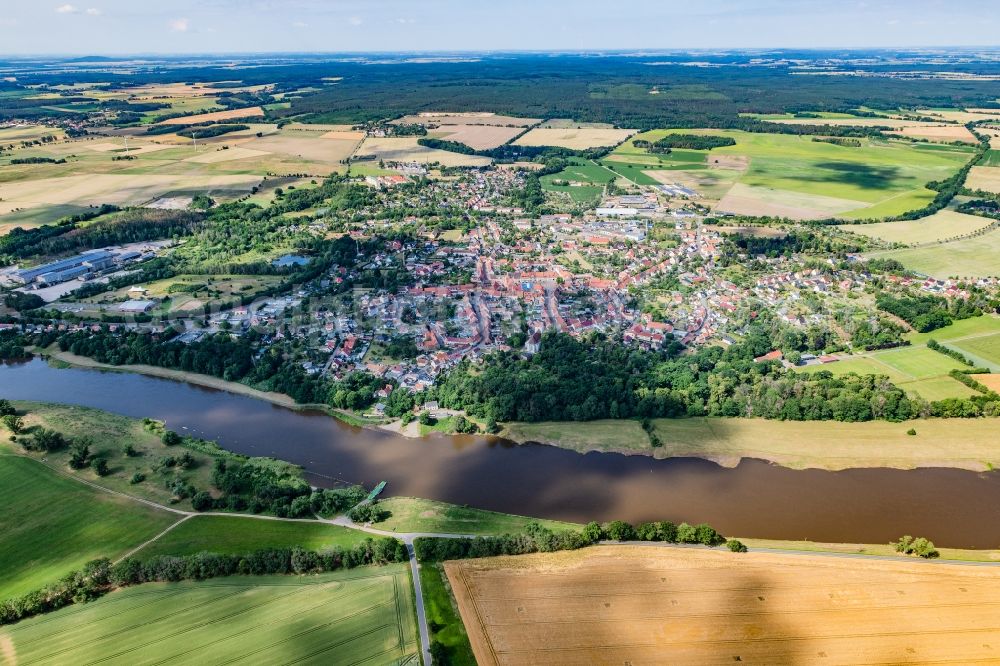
<point x="405" y="20"/>
<point x="355" y="20"/>
<point x="180" y="25"/>
<point x="66" y="9"/>
<point x="93" y="11"/>
<point x="300" y="24"/>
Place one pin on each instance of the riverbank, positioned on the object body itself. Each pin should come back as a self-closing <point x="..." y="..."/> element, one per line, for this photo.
<point x="968" y="444"/>
<point x="207" y="381"/>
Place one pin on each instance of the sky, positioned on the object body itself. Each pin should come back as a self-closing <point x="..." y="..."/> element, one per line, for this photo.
<point x="96" y="27"/>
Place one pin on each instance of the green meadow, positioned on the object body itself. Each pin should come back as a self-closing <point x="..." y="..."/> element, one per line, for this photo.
<point x="52" y="525"/>
<point x="347" y="617"/>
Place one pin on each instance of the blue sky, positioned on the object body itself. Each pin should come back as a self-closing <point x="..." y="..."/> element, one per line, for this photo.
<point x="202" y="26"/>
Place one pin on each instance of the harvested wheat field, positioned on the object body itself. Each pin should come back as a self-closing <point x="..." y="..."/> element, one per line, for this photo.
<point x="576" y="139"/>
<point x="469" y="118"/>
<point x="479" y="137"/>
<point x="644" y="605"/>
<point x="984" y="178"/>
<point x="406" y="149"/>
<point x="216" y="116"/>
<point x="947" y="133"/>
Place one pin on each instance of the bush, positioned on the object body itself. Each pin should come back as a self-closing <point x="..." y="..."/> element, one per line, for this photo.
<point x="202" y="501"/>
<point x="911" y="431"/>
<point x="171" y="438"/>
<point x="619" y="530"/>
<point x="736" y="546"/>
<point x="919" y="546"/>
<point x="138" y="477"/>
<point x="100" y="466"/>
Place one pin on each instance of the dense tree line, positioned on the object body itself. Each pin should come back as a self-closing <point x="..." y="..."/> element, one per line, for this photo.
<point x="690" y="142"/>
<point x="925" y="312"/>
<point x="99" y="577"/>
<point x="537" y="538"/>
<point x="211" y="130"/>
<point x="598" y="378"/>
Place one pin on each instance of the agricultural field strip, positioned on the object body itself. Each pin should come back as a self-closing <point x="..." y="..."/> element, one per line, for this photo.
<point x="198" y="622"/>
<point x="893" y="615"/>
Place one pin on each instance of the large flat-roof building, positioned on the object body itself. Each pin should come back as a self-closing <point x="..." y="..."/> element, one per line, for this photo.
<point x="67" y="269"/>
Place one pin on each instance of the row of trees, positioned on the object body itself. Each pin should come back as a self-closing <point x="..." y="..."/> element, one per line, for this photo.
<point x="537" y="538"/>
<point x="99" y="577"/>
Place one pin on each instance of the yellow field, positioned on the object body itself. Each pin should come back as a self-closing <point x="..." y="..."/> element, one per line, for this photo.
<point x="984" y="178"/>
<point x="480" y="137"/>
<point x="943" y="225"/>
<point x="575" y="139"/>
<point x="747" y="200"/>
<point x="217" y="116"/>
<point x="406" y="149"/>
<point x="227" y="155"/>
<point x="947" y="133"/>
<point x="121" y="189"/>
<point x="313" y="149"/>
<point x="644" y="605"/>
<point x="470" y="118"/>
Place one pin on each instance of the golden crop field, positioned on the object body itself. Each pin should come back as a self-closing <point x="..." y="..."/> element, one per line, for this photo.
<point x="406" y="149"/>
<point x="644" y="605"/>
<point x="577" y="139"/>
<point x="984" y="178"/>
<point x="480" y="137"/>
<point x="217" y="116"/>
<point x="947" y="133"/>
<point x="941" y="226"/>
<point x="469" y="118"/>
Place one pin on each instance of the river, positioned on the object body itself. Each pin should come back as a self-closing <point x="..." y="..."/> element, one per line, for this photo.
<point x="952" y="507"/>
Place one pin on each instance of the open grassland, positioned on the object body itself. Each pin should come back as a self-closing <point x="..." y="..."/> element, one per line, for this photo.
<point x="576" y="139"/>
<point x="216" y="116"/>
<point x="410" y="514"/>
<point x="833" y="445"/>
<point x="235" y="535"/>
<point x="406" y="149"/>
<point x="978" y="256"/>
<point x="51" y="525"/>
<point x="110" y="434"/>
<point x="443" y="618"/>
<point x="350" y="617"/>
<point x="798" y="177"/>
<point x="586" y="180"/>
<point x="986" y="178"/>
<point x="992" y="157"/>
<point x="941" y="226"/>
<point x="634" y="604"/>
<point x="986" y="347"/>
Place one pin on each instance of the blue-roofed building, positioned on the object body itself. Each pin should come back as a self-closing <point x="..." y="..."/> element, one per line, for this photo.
<point x="67" y="269"/>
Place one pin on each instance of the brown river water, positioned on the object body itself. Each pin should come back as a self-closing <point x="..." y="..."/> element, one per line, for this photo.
<point x="954" y="508"/>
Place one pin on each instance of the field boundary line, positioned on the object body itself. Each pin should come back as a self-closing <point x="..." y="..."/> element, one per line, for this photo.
<point x="146" y="543"/>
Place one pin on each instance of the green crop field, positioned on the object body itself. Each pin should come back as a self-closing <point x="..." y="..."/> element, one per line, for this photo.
<point x="943" y="225"/>
<point x="992" y="159"/>
<point x="593" y="176"/>
<point x="877" y="179"/>
<point x="986" y="347"/>
<point x="938" y="388"/>
<point x="918" y="362"/>
<point x="224" y="534"/>
<point x="963" y="328"/>
<point x="970" y="257"/>
<point x="442" y="616"/>
<point x="52" y="525"/>
<point x="348" y="617"/>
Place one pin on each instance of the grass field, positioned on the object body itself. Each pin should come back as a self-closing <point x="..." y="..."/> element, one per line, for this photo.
<point x="110" y="433"/>
<point x="991" y="159"/>
<point x="986" y="347"/>
<point x="968" y="258"/>
<point x="410" y="514"/>
<point x="52" y="525"/>
<point x="796" y="176"/>
<point x="198" y="291"/>
<point x="961" y="443"/>
<point x="941" y="226"/>
<point x="349" y="617"/>
<point x="443" y="618"/>
<point x="634" y="604"/>
<point x="224" y="534"/>
<point x="586" y="180"/>
<point x="217" y="116"/>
